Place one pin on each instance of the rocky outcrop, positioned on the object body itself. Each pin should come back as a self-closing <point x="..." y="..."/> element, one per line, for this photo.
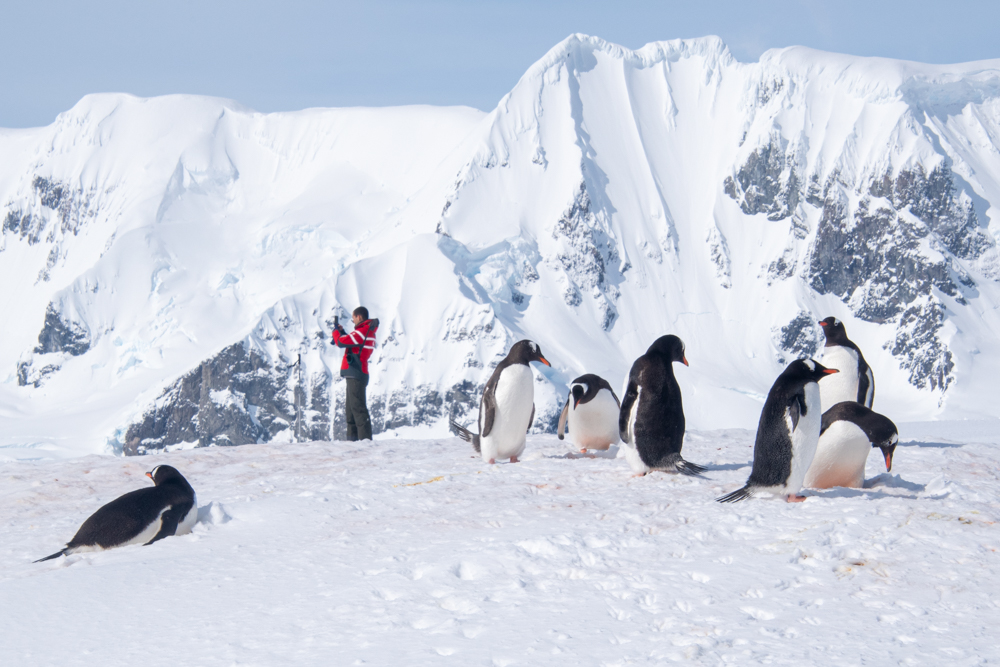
<point x="237" y="397"/>
<point x="587" y="250"/>
<point x="885" y="247"/>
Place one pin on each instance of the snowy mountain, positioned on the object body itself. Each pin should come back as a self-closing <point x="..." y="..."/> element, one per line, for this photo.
<point x="172" y="266"/>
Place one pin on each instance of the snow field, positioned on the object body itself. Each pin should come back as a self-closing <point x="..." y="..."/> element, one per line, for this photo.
<point x="416" y="552"/>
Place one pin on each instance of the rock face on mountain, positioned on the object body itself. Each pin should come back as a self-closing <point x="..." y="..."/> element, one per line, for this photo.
<point x="174" y="265"/>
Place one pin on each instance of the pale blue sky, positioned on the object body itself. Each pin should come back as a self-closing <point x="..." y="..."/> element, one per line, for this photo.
<point x="294" y="54"/>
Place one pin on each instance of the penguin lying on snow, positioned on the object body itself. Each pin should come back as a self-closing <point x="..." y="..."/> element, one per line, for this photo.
<point x="507" y="408"/>
<point x="591" y="411"/>
<point x="787" y="434"/>
<point x="848" y="433"/>
<point x="651" y="420"/>
<point x="855" y="381"/>
<point x="142" y="516"/>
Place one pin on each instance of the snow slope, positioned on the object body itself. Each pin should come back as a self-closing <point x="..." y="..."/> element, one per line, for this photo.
<point x="172" y="266"/>
<point x="415" y="552"/>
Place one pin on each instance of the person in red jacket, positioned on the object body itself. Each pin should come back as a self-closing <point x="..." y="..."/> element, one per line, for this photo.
<point x="359" y="345"/>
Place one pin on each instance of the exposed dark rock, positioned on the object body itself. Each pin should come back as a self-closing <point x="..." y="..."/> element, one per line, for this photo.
<point x="766" y="182"/>
<point x="798" y="339"/>
<point x="589" y="249"/>
<point x="62" y="335"/>
<point x="919" y="347"/>
<point x="873" y="255"/>
<point x="235" y="398"/>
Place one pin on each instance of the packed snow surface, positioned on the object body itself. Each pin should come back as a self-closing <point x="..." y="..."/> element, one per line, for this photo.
<point x="415" y="552"/>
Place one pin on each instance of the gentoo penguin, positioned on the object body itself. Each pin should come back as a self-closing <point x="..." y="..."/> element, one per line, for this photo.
<point x="651" y="420"/>
<point x="855" y="381"/>
<point x="507" y="408"/>
<point x="849" y="431"/>
<point x="142" y="516"/>
<point x="786" y="434"/>
<point x="591" y="411"/>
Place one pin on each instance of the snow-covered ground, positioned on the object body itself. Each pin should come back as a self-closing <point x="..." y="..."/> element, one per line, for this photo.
<point x="408" y="552"/>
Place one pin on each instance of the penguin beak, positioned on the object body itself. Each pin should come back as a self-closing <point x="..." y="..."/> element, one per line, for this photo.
<point x="149" y="475"/>
<point x="684" y="360"/>
<point x="576" y="402"/>
<point x="888" y="460"/>
<point x="822" y="324"/>
<point x="830" y="371"/>
<point x="544" y="361"/>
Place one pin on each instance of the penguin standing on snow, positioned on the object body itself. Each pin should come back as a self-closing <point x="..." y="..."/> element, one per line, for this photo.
<point x="651" y="420"/>
<point x="849" y="431"/>
<point x="591" y="411"/>
<point x="855" y="381"/>
<point x="787" y="434"/>
<point x="142" y="516"/>
<point x="507" y="408"/>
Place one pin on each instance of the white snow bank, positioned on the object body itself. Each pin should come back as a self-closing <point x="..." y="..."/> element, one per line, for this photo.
<point x="415" y="552"/>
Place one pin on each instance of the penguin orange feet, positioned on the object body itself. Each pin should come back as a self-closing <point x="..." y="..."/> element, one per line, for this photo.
<point x="492" y="461"/>
<point x="513" y="459"/>
<point x="794" y="498"/>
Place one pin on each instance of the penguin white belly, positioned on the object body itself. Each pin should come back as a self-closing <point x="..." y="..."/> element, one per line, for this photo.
<point x="631" y="451"/>
<point x="842" y="386"/>
<point x="594" y="425"/>
<point x="805" y="438"/>
<point x="515" y="398"/>
<point x="840" y="457"/>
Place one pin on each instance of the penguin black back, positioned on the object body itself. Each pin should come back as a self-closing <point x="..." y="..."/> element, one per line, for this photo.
<point x="125" y="517"/>
<point x="786" y="404"/>
<point x="652" y="410"/>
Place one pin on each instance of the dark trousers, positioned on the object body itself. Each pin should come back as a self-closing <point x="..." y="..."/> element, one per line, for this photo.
<point x="359" y="424"/>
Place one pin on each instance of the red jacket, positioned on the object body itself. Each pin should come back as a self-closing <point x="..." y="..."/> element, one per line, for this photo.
<point x="360" y="344"/>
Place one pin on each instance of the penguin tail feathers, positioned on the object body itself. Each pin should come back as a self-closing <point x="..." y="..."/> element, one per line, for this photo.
<point x="690" y="469"/>
<point x="674" y="463"/>
<point x="61" y="552"/>
<point x="736" y="496"/>
<point x="464" y="434"/>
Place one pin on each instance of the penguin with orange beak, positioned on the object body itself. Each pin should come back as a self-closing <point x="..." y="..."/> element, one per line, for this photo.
<point x="848" y="433"/>
<point x="651" y="419"/>
<point x="142" y="516"/>
<point x="507" y="408"/>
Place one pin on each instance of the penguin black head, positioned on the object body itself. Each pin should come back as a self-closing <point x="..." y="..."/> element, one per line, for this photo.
<point x="165" y="474"/>
<point x="806" y="370"/>
<point x="578" y="390"/>
<point x="888" y="447"/>
<point x="524" y="351"/>
<point x="669" y="346"/>
<point x="834" y="330"/>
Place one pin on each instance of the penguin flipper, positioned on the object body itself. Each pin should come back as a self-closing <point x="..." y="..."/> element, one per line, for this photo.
<point x="625" y="413"/>
<point x="465" y="434"/>
<point x="736" y="496"/>
<point x="169" y="521"/>
<point x="61" y="552"/>
<point x="532" y="420"/>
<point x="489" y="411"/>
<point x="562" y="420"/>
